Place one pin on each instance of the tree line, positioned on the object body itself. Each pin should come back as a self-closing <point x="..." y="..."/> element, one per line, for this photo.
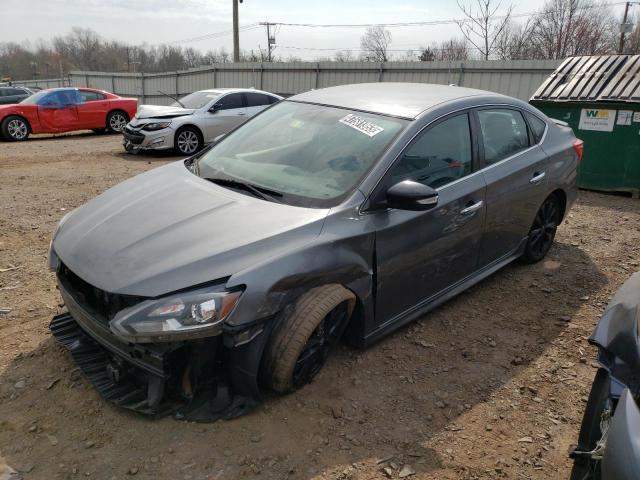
<point x="485" y="31"/>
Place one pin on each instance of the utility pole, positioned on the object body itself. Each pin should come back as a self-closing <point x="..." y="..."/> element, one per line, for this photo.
<point x="271" y="40"/>
<point x="236" y="32"/>
<point x="625" y="27"/>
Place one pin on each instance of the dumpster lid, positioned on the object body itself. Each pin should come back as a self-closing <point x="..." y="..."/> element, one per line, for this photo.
<point x="593" y="78"/>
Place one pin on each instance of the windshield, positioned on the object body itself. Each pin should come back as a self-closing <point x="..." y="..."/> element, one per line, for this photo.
<point x="36" y="97"/>
<point x="313" y="155"/>
<point x="196" y="100"/>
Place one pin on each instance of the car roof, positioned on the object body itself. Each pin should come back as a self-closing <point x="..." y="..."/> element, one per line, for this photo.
<point x="406" y="100"/>
<point x="227" y="90"/>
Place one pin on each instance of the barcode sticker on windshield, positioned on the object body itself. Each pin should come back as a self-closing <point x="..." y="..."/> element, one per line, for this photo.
<point x="361" y="125"/>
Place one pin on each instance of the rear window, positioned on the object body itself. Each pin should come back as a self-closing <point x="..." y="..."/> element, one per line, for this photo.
<point x="537" y="126"/>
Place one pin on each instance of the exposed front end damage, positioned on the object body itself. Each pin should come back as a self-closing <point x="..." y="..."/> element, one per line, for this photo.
<point x="201" y="379"/>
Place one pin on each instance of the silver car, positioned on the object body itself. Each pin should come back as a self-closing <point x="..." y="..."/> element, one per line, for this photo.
<point x="193" y="121"/>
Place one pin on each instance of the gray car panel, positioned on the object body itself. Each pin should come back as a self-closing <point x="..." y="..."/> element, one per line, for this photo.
<point x="169" y="230"/>
<point x="621" y="460"/>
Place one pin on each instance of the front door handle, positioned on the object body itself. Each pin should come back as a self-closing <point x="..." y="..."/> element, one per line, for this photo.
<point x="472" y="208"/>
<point x="241" y="114"/>
<point x="537" y="177"/>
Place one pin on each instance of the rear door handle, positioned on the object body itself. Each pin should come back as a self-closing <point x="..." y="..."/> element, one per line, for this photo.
<point x="472" y="208"/>
<point x="537" y="177"/>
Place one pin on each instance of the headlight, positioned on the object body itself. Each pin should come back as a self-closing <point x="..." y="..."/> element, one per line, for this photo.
<point x="194" y="314"/>
<point x="52" y="258"/>
<point x="150" y="127"/>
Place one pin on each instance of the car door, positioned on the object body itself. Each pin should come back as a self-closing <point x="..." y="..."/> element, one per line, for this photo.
<point x="58" y="112"/>
<point x="421" y="254"/>
<point x="227" y="113"/>
<point x="92" y="111"/>
<point x="515" y="172"/>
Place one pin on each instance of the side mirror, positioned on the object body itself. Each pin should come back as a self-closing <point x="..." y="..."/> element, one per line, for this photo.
<point x="410" y="195"/>
<point x="219" y="137"/>
<point x="215" y="108"/>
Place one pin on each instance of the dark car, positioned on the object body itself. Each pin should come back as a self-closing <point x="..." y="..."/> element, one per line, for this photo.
<point x="609" y="440"/>
<point x="338" y="213"/>
<point x="10" y="95"/>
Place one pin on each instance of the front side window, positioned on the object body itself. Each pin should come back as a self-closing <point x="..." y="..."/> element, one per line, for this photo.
<point x="504" y="133"/>
<point x="231" y="101"/>
<point x="438" y="156"/>
<point x="37" y="98"/>
<point x="312" y="155"/>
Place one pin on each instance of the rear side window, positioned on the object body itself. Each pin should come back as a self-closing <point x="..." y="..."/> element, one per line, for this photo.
<point x="91" y="96"/>
<point x="257" y="99"/>
<point x="438" y="156"/>
<point x="537" y="126"/>
<point x="504" y="133"/>
<point x="228" y="102"/>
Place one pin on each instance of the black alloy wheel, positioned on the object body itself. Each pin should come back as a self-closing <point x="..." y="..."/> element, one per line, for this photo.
<point x="316" y="350"/>
<point x="543" y="230"/>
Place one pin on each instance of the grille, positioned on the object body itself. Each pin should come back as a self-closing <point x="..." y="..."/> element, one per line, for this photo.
<point x="133" y="136"/>
<point x="102" y="305"/>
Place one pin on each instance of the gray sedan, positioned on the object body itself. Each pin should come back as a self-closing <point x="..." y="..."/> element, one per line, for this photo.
<point x="341" y="213"/>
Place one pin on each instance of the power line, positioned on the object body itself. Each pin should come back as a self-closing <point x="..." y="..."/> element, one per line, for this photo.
<point x="427" y="23"/>
<point x="211" y="36"/>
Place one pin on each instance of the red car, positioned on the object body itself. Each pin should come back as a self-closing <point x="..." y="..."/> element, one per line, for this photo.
<point x="60" y="110"/>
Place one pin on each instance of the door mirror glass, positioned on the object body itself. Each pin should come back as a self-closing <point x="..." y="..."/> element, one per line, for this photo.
<point x="410" y="195"/>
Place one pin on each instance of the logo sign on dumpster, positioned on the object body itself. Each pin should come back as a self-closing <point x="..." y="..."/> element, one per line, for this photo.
<point x="596" y="119"/>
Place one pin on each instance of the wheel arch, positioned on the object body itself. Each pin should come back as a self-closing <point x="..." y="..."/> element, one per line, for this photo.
<point x="561" y="195"/>
<point x="192" y="125"/>
<point x="21" y="117"/>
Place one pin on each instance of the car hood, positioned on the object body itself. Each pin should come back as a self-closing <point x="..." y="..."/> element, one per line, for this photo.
<point x="161" y="111"/>
<point x="167" y="229"/>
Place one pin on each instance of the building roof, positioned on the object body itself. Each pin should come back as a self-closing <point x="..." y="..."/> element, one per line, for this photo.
<point x="593" y="78"/>
<point x="407" y="100"/>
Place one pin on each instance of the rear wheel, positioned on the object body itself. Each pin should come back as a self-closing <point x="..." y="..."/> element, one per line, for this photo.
<point x="305" y="337"/>
<point x="543" y="230"/>
<point x="116" y="121"/>
<point x="15" y="128"/>
<point x="188" y="141"/>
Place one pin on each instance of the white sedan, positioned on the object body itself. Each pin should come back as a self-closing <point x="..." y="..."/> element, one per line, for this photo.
<point x="195" y="120"/>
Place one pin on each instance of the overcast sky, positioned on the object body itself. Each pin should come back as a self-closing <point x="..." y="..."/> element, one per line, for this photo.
<point x="165" y="21"/>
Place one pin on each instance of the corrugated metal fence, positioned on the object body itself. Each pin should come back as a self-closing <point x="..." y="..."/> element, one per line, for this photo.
<point x="44" y="82"/>
<point x="518" y="78"/>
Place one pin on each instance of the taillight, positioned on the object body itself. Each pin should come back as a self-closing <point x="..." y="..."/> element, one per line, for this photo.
<point x="578" y="146"/>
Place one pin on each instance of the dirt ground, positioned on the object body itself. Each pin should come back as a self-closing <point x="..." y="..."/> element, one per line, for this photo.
<point x="490" y="385"/>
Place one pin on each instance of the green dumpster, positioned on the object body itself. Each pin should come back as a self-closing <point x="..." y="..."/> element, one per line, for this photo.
<point x="599" y="97"/>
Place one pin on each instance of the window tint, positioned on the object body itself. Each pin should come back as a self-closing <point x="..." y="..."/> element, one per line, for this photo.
<point x="233" y="100"/>
<point x="537" y="126"/>
<point x="273" y="99"/>
<point x="439" y="156"/>
<point x="61" y="98"/>
<point x="91" y="96"/>
<point x="257" y="99"/>
<point x="504" y="133"/>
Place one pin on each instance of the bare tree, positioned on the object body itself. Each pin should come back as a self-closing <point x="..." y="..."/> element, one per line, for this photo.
<point x="454" y="49"/>
<point x="344" y="56"/>
<point x="375" y="44"/>
<point x="573" y="27"/>
<point x="632" y="43"/>
<point x="514" y="42"/>
<point x="482" y="27"/>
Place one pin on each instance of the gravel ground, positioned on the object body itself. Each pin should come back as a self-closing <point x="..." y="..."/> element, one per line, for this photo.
<point x="490" y="385"/>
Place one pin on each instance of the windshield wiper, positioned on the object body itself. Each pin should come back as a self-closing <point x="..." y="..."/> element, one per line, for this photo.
<point x="172" y="98"/>
<point x="260" y="192"/>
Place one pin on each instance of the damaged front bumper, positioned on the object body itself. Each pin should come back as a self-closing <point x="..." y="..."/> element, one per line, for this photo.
<point x="198" y="380"/>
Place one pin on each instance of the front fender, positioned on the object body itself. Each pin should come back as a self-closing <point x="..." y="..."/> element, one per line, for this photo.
<point x="621" y="460"/>
<point x="275" y="283"/>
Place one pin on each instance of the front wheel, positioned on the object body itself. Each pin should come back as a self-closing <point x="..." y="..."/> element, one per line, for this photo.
<point x="305" y="336"/>
<point x="543" y="230"/>
<point x="116" y="121"/>
<point x="15" y="129"/>
<point x="188" y="141"/>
